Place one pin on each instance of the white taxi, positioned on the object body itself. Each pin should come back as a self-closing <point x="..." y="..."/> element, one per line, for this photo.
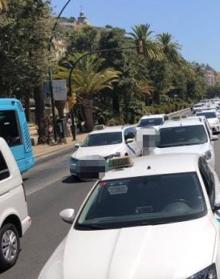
<point x="189" y="135"/>
<point x="155" y="219"/>
<point x="106" y="143"/>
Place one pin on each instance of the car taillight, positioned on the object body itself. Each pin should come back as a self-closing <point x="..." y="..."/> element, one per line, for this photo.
<point x="25" y="196"/>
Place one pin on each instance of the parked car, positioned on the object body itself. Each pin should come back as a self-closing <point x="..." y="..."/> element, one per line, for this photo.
<point x="212" y="118"/>
<point x="14" y="219"/>
<point x="106" y="143"/>
<point x="153" y="219"/>
<point x="186" y="136"/>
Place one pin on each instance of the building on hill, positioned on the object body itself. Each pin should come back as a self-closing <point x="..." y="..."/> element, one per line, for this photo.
<point x="210" y="76"/>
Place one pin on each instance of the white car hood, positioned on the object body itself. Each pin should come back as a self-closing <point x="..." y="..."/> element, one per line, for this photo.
<point x="104" y="150"/>
<point x="196" y="149"/>
<point x="172" y="251"/>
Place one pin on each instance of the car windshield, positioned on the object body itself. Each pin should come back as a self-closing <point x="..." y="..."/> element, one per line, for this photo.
<point x="150" y="122"/>
<point x="146" y="200"/>
<point x="103" y="139"/>
<point x="180" y="136"/>
<point x="207" y="114"/>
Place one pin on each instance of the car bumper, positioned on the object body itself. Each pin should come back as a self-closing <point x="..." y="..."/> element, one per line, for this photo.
<point x="26" y="223"/>
<point x="87" y="168"/>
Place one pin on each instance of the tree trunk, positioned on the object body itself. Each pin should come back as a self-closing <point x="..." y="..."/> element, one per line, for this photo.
<point x="115" y="104"/>
<point x="40" y="114"/>
<point x="27" y="106"/>
<point x="157" y="97"/>
<point x="60" y="105"/>
<point x="88" y="112"/>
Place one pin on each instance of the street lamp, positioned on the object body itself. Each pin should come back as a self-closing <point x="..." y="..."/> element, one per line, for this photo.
<point x="50" y="70"/>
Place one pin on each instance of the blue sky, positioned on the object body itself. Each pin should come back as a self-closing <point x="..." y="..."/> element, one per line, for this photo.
<point x="195" y="24"/>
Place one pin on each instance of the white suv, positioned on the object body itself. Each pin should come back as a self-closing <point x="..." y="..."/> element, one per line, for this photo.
<point x="186" y="136"/>
<point x="212" y="118"/>
<point x="14" y="219"/>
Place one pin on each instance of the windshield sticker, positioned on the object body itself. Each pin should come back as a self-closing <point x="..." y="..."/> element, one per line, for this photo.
<point x="118" y="190"/>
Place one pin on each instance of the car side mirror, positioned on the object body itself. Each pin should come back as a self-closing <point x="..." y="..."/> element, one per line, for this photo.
<point x="130" y="140"/>
<point x="77" y="145"/>
<point x="68" y="215"/>
<point x="214" y="138"/>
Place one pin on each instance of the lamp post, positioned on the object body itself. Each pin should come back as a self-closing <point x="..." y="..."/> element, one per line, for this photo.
<point x="50" y="70"/>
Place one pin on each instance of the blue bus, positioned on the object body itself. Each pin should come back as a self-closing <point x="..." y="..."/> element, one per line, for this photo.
<point x="14" y="129"/>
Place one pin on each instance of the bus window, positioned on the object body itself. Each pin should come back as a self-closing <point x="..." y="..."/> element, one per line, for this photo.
<point x="9" y="129"/>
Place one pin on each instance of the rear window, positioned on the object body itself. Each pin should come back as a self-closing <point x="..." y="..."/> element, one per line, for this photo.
<point x="183" y="135"/>
<point x="4" y="171"/>
<point x="150" y="122"/>
<point x="9" y="127"/>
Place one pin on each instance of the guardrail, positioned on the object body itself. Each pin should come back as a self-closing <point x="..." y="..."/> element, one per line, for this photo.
<point x="183" y="112"/>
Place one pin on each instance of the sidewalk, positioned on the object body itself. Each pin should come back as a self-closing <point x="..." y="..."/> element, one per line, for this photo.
<point x="43" y="150"/>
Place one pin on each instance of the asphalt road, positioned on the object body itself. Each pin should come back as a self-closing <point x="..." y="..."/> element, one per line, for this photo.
<point x="49" y="190"/>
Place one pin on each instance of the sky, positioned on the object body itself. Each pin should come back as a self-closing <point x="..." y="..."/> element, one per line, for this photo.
<point x="195" y="24"/>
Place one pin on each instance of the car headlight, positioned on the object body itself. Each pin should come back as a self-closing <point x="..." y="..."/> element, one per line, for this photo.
<point x="117" y="154"/>
<point x="73" y="161"/>
<point x="208" y="155"/>
<point x="207" y="273"/>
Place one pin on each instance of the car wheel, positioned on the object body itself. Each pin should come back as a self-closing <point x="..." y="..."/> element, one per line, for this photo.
<point x="9" y="246"/>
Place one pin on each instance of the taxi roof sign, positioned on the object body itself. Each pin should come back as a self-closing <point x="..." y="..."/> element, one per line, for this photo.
<point x="119" y="163"/>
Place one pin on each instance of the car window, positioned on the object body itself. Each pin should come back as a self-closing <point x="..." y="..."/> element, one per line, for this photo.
<point x="150" y="122"/>
<point x="103" y="139"/>
<point x="208" y="179"/>
<point x="182" y="135"/>
<point x="207" y="114"/>
<point x="9" y="127"/>
<point x="130" y="133"/>
<point x="143" y="200"/>
<point x="4" y="171"/>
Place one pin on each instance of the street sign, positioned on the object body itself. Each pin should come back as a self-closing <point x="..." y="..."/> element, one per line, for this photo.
<point x="59" y="90"/>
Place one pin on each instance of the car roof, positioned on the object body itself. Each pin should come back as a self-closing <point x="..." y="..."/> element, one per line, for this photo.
<point x="182" y="122"/>
<point x="110" y="129"/>
<point x="156" y="165"/>
<point x="152" y="116"/>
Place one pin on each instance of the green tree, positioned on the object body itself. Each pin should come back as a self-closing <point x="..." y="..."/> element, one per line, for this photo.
<point x="169" y="47"/>
<point x="89" y="79"/>
<point x="24" y="53"/>
<point x="3" y="5"/>
<point x="145" y="43"/>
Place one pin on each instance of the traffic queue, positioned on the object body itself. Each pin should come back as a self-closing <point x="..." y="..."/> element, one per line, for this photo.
<point x="150" y="216"/>
<point x="154" y="209"/>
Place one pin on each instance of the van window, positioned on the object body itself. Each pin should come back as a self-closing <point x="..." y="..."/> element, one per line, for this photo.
<point x="9" y="127"/>
<point x="4" y="171"/>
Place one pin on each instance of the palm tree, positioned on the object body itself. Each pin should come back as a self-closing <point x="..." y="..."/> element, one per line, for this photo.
<point x="169" y="47"/>
<point x="144" y="42"/>
<point x="3" y="5"/>
<point x="89" y="80"/>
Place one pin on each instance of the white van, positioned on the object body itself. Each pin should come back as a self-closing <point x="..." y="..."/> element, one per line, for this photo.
<point x="14" y="219"/>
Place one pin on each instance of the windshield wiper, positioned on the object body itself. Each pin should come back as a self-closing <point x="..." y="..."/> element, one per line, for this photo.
<point x="90" y="226"/>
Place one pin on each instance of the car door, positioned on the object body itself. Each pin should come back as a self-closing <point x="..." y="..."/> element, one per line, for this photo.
<point x="131" y="142"/>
